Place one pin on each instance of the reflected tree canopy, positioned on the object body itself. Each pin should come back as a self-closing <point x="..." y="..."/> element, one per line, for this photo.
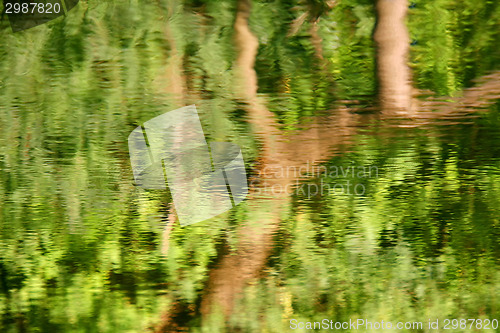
<point x="294" y="84"/>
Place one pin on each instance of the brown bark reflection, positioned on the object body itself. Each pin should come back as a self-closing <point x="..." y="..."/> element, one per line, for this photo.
<point x="393" y="46"/>
<point x="322" y="138"/>
<point x="172" y="80"/>
<point x="278" y="151"/>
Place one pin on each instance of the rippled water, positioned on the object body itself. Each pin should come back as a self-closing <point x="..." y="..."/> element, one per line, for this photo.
<point x="354" y="211"/>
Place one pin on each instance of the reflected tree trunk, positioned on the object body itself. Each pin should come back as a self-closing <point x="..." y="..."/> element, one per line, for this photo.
<point x="236" y="269"/>
<point x="393" y="46"/>
<point x="317" y="41"/>
<point x="172" y="81"/>
<point x="279" y="151"/>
